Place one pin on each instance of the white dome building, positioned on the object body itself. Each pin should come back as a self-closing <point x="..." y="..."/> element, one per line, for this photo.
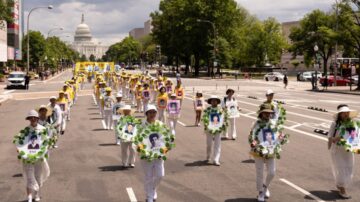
<point x="85" y="44"/>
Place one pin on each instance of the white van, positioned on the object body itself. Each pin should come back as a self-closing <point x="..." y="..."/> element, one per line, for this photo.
<point x="16" y="79"/>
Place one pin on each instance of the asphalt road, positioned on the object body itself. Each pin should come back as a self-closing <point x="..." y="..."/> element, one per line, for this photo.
<point x="86" y="166"/>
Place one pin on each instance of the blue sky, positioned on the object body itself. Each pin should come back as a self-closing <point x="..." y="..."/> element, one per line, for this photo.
<point x="111" y="20"/>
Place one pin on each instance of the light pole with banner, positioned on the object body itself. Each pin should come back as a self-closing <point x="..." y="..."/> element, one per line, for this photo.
<point x="28" y="35"/>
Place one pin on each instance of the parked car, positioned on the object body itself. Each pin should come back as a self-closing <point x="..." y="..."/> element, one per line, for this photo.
<point x="340" y="81"/>
<point x="16" y="79"/>
<point x="274" y="76"/>
<point x="306" y="76"/>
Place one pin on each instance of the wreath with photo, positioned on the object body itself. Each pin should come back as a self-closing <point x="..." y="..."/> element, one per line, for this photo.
<point x="206" y="120"/>
<point x="146" y="145"/>
<point x="342" y="128"/>
<point x="124" y="135"/>
<point x="25" y="134"/>
<point x="258" y="149"/>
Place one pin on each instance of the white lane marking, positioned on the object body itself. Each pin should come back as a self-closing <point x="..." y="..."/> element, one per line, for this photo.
<point x="181" y="123"/>
<point x="250" y="113"/>
<point x="301" y="190"/>
<point x="95" y="102"/>
<point x="103" y="123"/>
<point x="8" y="92"/>
<point x="296" y="125"/>
<point x="131" y="194"/>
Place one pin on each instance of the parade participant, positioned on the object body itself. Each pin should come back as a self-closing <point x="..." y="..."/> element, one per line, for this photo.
<point x="173" y="112"/>
<point x="152" y="87"/>
<point x="162" y="100"/>
<point x="146" y="96"/>
<point x="45" y="113"/>
<point x="63" y="104"/>
<point x="154" y="170"/>
<point x="138" y="95"/>
<point x="126" y="132"/>
<point x="169" y="88"/>
<point x="133" y="82"/>
<point x="116" y="113"/>
<point x="100" y="98"/>
<point x="199" y="105"/>
<point x="108" y="108"/>
<point x="56" y="116"/>
<point x="229" y="103"/>
<point x="82" y="81"/>
<point x="179" y="91"/>
<point x="265" y="139"/>
<point x="215" y="122"/>
<point x="35" y="173"/>
<point x="67" y="94"/>
<point x="279" y="111"/>
<point x="343" y="143"/>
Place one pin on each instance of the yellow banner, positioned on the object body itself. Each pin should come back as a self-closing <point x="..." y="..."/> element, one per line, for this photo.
<point x="101" y="67"/>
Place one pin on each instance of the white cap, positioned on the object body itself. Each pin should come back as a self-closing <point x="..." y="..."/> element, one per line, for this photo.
<point x="150" y="107"/>
<point x="126" y="107"/>
<point x="269" y="92"/>
<point x="352" y="114"/>
<point x="119" y="94"/>
<point x="173" y="95"/>
<point x="213" y="97"/>
<point x="32" y="113"/>
<point x="53" y="97"/>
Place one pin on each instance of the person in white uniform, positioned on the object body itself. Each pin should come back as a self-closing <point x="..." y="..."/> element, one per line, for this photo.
<point x="108" y="109"/>
<point x="154" y="170"/>
<point x="56" y="116"/>
<point x="173" y="112"/>
<point x="264" y="116"/>
<point x="35" y="174"/>
<point x="117" y="105"/>
<point x="127" y="147"/>
<point x="342" y="160"/>
<point x="232" y="121"/>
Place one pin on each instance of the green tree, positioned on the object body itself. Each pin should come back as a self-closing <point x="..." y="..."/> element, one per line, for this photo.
<point x="349" y="29"/>
<point x="5" y="11"/>
<point x="92" y="58"/>
<point x="83" y="58"/>
<point x="128" y="50"/>
<point x="316" y="28"/>
<point x="37" y="48"/>
<point x="56" y="50"/>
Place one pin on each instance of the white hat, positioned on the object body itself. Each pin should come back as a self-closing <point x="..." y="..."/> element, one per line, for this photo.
<point x="150" y="107"/>
<point x="352" y="113"/>
<point x="119" y="94"/>
<point x="53" y="97"/>
<point x="213" y="97"/>
<point x="269" y="92"/>
<point x="32" y="113"/>
<point x="126" y="107"/>
<point x="173" y="95"/>
<point x="48" y="110"/>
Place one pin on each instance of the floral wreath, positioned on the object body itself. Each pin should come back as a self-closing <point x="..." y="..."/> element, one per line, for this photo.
<point x="206" y="120"/>
<point x="261" y="151"/>
<point x="122" y="123"/>
<point x="342" y="131"/>
<point x="54" y="138"/>
<point x="32" y="158"/>
<point x="144" y="132"/>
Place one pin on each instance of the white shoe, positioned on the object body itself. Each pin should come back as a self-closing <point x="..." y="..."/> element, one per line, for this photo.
<point x="30" y="198"/>
<point x="37" y="198"/>
<point x="261" y="197"/>
<point x="117" y="143"/>
<point x="267" y="192"/>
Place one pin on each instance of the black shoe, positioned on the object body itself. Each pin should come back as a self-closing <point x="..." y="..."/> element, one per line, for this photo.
<point x="62" y="132"/>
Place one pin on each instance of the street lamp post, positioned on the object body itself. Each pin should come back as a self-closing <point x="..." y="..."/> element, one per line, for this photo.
<point x="28" y="36"/>
<point x="214" y="44"/>
<point x="53" y="29"/>
<point x="316" y="65"/>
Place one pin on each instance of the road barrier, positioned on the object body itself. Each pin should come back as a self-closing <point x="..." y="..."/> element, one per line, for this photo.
<point x="322" y="132"/>
<point x="253" y="97"/>
<point x="318" y="109"/>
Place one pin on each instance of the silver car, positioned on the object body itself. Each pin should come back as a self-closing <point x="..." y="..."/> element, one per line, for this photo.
<point x="16" y="79"/>
<point x="274" y="76"/>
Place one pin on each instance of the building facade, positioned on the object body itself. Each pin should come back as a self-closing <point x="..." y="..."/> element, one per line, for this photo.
<point x="85" y="44"/>
<point x="138" y="33"/>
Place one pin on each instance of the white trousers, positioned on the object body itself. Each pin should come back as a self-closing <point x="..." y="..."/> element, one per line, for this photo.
<point x="36" y="174"/>
<point x="172" y="124"/>
<point x="231" y="130"/>
<point x="342" y="166"/>
<point x="127" y="153"/>
<point x="138" y="105"/>
<point x="154" y="172"/>
<point x="270" y="168"/>
<point x="161" y="115"/>
<point x="108" y="118"/>
<point x="213" y="142"/>
<point x="145" y="104"/>
<point x="63" y="122"/>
